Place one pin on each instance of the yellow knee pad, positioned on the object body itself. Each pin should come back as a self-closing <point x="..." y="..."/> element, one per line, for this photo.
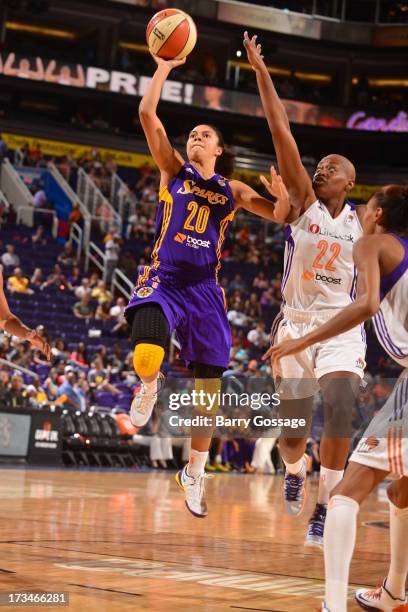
<point x="147" y="359"/>
<point x="212" y="387"/>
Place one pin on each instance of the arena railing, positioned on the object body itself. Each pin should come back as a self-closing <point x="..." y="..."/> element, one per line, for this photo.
<point x="97" y="204"/>
<point x="25" y="214"/>
<point x="76" y="238"/>
<point x="16" y="191"/>
<point x="122" y="283"/>
<point x="121" y="197"/>
<point x="95" y="255"/>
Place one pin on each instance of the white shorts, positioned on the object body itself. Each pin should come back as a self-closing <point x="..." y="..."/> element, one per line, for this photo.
<point x="300" y="373"/>
<point x="384" y="445"/>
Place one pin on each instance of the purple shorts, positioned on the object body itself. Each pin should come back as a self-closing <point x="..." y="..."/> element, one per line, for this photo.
<point x="196" y="311"/>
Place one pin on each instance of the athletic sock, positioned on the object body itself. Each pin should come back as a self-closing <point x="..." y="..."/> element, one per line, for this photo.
<point x="339" y="541"/>
<point x="151" y="387"/>
<point x="196" y="463"/>
<point x="397" y="574"/>
<point x="218" y="459"/>
<point x="328" y="480"/>
<point x="296" y="468"/>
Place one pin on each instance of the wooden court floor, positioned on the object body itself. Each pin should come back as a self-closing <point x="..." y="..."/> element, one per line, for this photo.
<point x="124" y="541"/>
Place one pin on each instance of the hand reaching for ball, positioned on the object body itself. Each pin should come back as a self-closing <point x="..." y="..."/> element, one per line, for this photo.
<point x="170" y="64"/>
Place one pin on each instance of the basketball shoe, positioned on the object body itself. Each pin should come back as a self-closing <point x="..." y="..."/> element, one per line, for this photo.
<point x="380" y="599"/>
<point x="143" y="403"/>
<point x="294" y="491"/>
<point x="315" y="531"/>
<point x="194" y="491"/>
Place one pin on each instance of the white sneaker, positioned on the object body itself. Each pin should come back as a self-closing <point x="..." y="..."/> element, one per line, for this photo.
<point x="194" y="491"/>
<point x="380" y="599"/>
<point x="143" y="403"/>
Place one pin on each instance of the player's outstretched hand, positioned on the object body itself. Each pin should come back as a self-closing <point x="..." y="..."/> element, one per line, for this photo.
<point x="283" y="349"/>
<point x="174" y="63"/>
<point x="276" y="186"/>
<point x="39" y="343"/>
<point x="254" y="51"/>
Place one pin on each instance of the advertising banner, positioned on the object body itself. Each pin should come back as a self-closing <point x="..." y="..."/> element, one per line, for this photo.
<point x="45" y="438"/>
<point x="200" y="96"/>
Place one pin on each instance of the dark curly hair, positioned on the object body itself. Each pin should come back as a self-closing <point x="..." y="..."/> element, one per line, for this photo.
<point x="393" y="199"/>
<point x="225" y="162"/>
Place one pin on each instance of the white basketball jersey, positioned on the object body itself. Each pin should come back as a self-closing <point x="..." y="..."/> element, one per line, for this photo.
<point x="391" y="321"/>
<point x="319" y="271"/>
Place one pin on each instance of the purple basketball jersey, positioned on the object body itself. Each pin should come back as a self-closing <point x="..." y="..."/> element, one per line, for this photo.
<point x="192" y="221"/>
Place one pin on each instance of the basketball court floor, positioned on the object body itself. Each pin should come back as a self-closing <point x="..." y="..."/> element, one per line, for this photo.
<point x="124" y="541"/>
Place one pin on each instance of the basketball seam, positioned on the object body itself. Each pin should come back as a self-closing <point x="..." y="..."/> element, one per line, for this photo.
<point x="168" y="37"/>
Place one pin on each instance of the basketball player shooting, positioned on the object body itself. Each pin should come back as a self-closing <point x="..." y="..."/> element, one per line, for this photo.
<point x="319" y="279"/>
<point x="382" y="286"/>
<point x="180" y="290"/>
<point x="12" y="325"/>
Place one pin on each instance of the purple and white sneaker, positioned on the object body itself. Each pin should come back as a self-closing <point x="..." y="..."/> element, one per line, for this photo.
<point x="315" y="531"/>
<point x="294" y="491"/>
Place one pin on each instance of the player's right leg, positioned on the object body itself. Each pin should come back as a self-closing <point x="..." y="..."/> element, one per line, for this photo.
<point x="150" y="334"/>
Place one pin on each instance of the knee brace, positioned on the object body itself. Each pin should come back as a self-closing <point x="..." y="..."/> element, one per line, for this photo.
<point x="147" y="359"/>
<point x="149" y="325"/>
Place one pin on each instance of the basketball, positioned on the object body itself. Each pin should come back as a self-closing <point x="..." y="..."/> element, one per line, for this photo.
<point x="171" y="34"/>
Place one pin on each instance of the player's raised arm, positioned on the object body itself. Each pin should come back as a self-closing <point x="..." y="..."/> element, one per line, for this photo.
<point x="293" y="173"/>
<point x="247" y="198"/>
<point x="367" y="303"/>
<point x="166" y="157"/>
<point x="12" y="324"/>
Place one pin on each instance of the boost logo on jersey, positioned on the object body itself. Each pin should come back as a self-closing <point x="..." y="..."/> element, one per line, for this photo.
<point x="194" y="243"/>
<point x="309" y="275"/>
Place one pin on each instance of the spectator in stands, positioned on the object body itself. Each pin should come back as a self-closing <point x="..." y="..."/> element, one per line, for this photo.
<point x="260" y="281"/>
<point x="59" y="351"/>
<point x="67" y="257"/>
<point x="252" y="307"/>
<point x="56" y="278"/>
<point x="10" y="258"/>
<point x="74" y="278"/>
<point x="101" y="293"/>
<point x="39" y="236"/>
<point x="67" y="393"/>
<point x="112" y="251"/>
<point x="102" y="312"/>
<point x="39" y="195"/>
<point x="102" y="352"/>
<point x="258" y="339"/>
<point x="118" y="309"/>
<point x="98" y="378"/>
<point x="51" y="384"/>
<point x="20" y="353"/>
<point x="94" y="280"/>
<point x="75" y="215"/>
<point x="79" y="357"/>
<point x="14" y="395"/>
<point x="19" y="283"/>
<point x="236" y="316"/>
<point x="37" y="278"/>
<point x="83" y="289"/>
<point x="237" y="284"/>
<point x="82" y="309"/>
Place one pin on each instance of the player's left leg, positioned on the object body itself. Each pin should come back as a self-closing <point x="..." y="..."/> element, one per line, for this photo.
<point x="340" y="530"/>
<point x="391" y="595"/>
<point x="191" y="477"/>
<point x="339" y="391"/>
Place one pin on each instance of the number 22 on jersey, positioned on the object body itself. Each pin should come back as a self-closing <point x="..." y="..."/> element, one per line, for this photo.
<point x="323" y="246"/>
